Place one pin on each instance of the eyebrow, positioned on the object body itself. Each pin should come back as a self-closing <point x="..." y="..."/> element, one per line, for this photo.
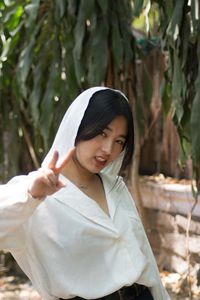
<point x="121" y="135"/>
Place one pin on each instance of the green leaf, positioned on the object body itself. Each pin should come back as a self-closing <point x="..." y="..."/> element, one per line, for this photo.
<point x="32" y="11"/>
<point x="98" y="56"/>
<point x="25" y="61"/>
<point x="185" y="40"/>
<point x="79" y="33"/>
<point x="117" y="44"/>
<point x="173" y="29"/>
<point x="6" y="48"/>
<point x="86" y="11"/>
<point x="12" y="17"/>
<point x="104" y="5"/>
<point x="195" y="116"/>
<point x="47" y="107"/>
<point x="35" y="95"/>
<point x="138" y="6"/>
<point x="195" y="16"/>
<point x="195" y="133"/>
<point x="126" y="35"/>
<point x="178" y="86"/>
<point x="60" y="8"/>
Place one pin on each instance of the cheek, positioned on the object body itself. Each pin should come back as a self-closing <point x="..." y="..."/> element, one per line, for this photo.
<point x="117" y="151"/>
<point x="85" y="148"/>
<point x="80" y="152"/>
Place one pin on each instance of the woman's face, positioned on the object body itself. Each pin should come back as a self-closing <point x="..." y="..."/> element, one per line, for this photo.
<point x="95" y="154"/>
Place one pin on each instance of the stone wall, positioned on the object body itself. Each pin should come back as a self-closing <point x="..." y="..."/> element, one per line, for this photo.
<point x="168" y="205"/>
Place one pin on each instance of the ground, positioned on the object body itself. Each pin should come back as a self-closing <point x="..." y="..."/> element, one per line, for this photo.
<point x="19" y="288"/>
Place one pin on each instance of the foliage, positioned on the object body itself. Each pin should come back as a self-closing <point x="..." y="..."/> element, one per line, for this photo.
<point x="181" y="35"/>
<point x="178" y="25"/>
<point x="50" y="50"/>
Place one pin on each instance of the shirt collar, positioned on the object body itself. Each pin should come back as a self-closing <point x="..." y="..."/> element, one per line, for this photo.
<point x="72" y="196"/>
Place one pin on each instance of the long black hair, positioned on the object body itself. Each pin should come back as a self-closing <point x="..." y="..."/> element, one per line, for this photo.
<point x="104" y="106"/>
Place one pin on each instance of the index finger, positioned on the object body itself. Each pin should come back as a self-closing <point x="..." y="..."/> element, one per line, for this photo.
<point x="64" y="161"/>
<point x="52" y="164"/>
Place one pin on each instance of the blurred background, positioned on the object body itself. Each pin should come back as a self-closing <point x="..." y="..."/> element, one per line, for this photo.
<point x="50" y="51"/>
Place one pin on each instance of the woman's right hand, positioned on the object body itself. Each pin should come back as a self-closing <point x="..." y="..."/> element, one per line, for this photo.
<point x="45" y="181"/>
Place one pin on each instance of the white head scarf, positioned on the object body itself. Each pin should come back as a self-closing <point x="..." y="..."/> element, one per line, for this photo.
<point x="67" y="131"/>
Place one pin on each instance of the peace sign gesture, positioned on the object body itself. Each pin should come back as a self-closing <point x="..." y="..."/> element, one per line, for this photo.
<point x="45" y="181"/>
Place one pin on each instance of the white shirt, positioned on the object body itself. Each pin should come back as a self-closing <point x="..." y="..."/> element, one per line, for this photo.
<point x="69" y="247"/>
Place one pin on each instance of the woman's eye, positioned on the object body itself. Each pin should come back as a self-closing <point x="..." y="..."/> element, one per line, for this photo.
<point x="120" y="142"/>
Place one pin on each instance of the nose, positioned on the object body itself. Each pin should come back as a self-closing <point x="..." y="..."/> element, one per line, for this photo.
<point x="107" y="147"/>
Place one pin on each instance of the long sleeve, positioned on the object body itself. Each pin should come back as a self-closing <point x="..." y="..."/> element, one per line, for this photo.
<point x="16" y="206"/>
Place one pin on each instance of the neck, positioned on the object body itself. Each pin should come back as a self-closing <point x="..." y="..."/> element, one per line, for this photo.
<point x="78" y="174"/>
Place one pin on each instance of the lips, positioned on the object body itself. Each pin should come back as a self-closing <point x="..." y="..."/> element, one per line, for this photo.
<point x="100" y="161"/>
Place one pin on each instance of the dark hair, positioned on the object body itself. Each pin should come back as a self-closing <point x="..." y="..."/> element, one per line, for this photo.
<point x="104" y="106"/>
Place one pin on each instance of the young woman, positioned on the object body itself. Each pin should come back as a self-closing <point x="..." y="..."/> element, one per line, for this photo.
<point x="86" y="240"/>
